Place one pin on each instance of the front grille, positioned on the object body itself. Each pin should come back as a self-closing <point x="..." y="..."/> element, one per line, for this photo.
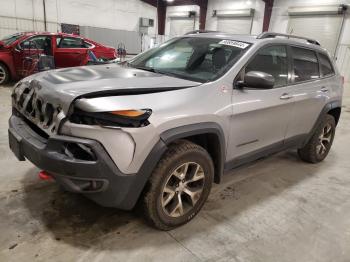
<point x="26" y="99"/>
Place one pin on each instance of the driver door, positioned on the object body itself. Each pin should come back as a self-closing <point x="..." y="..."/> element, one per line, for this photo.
<point x="27" y="51"/>
<point x="261" y="116"/>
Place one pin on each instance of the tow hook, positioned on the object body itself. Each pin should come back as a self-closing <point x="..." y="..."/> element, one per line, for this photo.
<point x="43" y="175"/>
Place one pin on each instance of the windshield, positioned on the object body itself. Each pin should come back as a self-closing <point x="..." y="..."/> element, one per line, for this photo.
<point x="194" y="58"/>
<point x="8" y="40"/>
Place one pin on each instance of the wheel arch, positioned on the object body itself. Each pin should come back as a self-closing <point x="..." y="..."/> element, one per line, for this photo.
<point x="335" y="112"/>
<point x="332" y="108"/>
<point x="7" y="67"/>
<point x="209" y="135"/>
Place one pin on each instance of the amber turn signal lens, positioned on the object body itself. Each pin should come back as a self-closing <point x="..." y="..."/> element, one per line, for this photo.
<point x="128" y="113"/>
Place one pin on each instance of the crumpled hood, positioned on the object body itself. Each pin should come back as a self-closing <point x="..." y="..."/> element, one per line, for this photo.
<point x="63" y="86"/>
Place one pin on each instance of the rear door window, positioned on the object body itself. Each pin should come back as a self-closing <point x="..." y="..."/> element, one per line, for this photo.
<point x="326" y="65"/>
<point x="305" y="64"/>
<point x="70" y="42"/>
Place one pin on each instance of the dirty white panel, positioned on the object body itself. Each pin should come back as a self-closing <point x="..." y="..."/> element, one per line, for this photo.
<point x="180" y="26"/>
<point x="343" y="61"/>
<point x="235" y="25"/>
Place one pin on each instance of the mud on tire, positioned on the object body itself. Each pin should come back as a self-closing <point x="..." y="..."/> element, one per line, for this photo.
<point x="320" y="143"/>
<point x="182" y="163"/>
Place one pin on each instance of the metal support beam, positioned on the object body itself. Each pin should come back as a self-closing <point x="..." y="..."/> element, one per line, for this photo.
<point x="161" y="6"/>
<point x="203" y="7"/>
<point x="267" y="14"/>
<point x="161" y="14"/>
<point x="150" y="2"/>
<point x="45" y="22"/>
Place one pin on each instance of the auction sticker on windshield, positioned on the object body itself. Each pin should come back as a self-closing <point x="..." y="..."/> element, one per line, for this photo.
<point x="234" y="43"/>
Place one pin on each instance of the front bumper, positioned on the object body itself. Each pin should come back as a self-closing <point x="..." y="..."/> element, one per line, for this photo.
<point x="97" y="177"/>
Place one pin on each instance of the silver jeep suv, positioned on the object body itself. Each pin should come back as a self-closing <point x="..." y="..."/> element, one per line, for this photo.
<point x="160" y="129"/>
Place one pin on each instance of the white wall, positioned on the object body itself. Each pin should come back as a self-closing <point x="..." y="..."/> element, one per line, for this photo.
<point x="113" y="14"/>
<point x="279" y="23"/>
<point x="182" y="8"/>
<point x="258" y="5"/>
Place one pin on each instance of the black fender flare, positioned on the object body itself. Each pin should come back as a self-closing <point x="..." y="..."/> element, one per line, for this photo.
<point x="199" y="129"/>
<point x="328" y="107"/>
<point x="138" y="182"/>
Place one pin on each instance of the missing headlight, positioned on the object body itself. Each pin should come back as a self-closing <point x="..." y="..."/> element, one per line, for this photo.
<point x="115" y="118"/>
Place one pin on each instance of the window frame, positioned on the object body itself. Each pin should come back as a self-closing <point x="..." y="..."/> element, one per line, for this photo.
<point x="331" y="63"/>
<point x="292" y="65"/>
<point x="70" y="37"/>
<point x="19" y="47"/>
<point x="230" y="65"/>
<point x="91" y="45"/>
<point x="290" y="78"/>
<point x="289" y="69"/>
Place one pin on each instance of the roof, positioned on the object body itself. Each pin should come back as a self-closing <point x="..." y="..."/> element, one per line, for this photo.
<point x="244" y="38"/>
<point x="253" y="39"/>
<point x="47" y="33"/>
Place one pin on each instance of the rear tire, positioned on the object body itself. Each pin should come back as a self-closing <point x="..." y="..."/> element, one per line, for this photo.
<point x="320" y="143"/>
<point x="4" y="74"/>
<point x="179" y="186"/>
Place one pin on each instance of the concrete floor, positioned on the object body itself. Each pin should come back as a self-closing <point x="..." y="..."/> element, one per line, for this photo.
<point x="277" y="209"/>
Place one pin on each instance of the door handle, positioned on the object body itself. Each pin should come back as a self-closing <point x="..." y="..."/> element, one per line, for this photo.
<point x="324" y="89"/>
<point x="286" y="96"/>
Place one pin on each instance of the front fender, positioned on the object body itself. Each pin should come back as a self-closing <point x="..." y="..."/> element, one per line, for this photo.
<point x="200" y="129"/>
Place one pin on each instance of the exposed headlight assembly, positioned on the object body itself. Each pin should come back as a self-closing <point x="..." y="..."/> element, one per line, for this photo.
<point x="120" y="118"/>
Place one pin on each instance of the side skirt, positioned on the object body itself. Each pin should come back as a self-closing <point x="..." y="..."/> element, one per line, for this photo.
<point x="290" y="143"/>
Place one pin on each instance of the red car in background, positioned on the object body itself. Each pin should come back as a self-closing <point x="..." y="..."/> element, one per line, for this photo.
<point x="67" y="50"/>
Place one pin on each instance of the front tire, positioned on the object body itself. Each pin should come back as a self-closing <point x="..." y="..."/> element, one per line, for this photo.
<point x="179" y="186"/>
<point x="320" y="143"/>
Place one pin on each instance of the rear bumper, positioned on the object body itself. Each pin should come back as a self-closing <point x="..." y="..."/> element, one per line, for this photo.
<point x="95" y="176"/>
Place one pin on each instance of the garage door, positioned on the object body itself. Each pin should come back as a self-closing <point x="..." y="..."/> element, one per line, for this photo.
<point x="181" y="26"/>
<point x="323" y="28"/>
<point x="235" y="25"/>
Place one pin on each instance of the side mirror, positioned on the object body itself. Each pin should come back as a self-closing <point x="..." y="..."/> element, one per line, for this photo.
<point x="2" y="44"/>
<point x="257" y="79"/>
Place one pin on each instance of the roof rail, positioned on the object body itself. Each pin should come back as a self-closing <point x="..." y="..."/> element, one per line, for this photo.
<point x="273" y="35"/>
<point x="201" y="32"/>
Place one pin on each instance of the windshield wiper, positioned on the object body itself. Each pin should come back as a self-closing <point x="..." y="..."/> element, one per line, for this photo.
<point x="149" y="69"/>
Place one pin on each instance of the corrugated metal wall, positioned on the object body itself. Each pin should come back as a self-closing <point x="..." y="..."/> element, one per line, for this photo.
<point x="10" y="25"/>
<point x="343" y="61"/>
<point x="112" y="37"/>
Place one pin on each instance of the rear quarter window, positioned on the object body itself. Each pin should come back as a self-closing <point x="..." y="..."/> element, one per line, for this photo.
<point x="326" y="65"/>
